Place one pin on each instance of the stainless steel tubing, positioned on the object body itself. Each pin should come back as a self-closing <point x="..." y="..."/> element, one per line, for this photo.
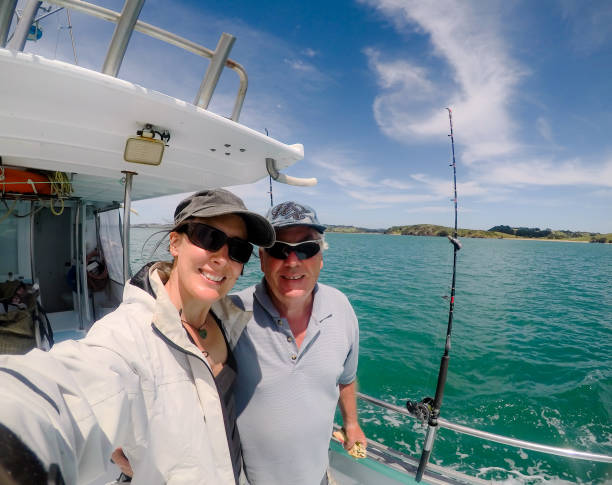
<point x="121" y="36"/>
<point x="127" y="203"/>
<point x="211" y="78"/>
<point x="528" y="445"/>
<point x="77" y="236"/>
<point x="18" y="41"/>
<point x="7" y="10"/>
<point x="165" y="36"/>
<point x="553" y="450"/>
<point x="84" y="288"/>
<point x="242" y="88"/>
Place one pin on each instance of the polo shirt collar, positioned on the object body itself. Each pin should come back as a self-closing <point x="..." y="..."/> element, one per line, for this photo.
<point x="262" y="296"/>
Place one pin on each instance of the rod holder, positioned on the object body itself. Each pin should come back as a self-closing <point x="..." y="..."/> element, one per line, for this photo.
<point x="287" y="179"/>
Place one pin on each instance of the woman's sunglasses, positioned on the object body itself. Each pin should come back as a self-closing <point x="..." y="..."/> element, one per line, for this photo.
<point x="212" y="239"/>
<point x="303" y="250"/>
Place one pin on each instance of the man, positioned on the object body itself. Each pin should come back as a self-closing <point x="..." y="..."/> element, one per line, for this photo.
<point x="297" y="357"/>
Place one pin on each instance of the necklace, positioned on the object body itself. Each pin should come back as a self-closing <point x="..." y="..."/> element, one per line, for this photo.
<point x="202" y="332"/>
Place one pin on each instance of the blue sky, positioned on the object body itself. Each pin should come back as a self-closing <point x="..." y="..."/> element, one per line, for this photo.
<point x="363" y="85"/>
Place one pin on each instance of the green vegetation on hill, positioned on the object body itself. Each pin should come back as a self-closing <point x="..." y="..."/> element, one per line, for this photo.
<point x="501" y="232"/>
<point x="497" y="232"/>
<point x="352" y="229"/>
<point x="536" y="232"/>
<point x="442" y="231"/>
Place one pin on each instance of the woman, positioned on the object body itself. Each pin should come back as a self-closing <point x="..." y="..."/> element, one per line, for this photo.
<point x="154" y="376"/>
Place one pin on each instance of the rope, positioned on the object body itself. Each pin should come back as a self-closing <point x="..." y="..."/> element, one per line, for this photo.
<point x="60" y="186"/>
<point x="52" y="207"/>
<point x="8" y="213"/>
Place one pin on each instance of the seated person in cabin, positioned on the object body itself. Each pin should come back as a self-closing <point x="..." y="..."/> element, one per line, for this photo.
<point x="297" y="357"/>
<point x="156" y="375"/>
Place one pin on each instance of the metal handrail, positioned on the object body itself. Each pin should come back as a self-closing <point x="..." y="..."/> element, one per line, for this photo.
<point x="7" y="9"/>
<point x="528" y="445"/>
<point x="167" y="37"/>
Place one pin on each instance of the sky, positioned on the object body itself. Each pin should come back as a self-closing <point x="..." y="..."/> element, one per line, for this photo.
<point x="364" y="84"/>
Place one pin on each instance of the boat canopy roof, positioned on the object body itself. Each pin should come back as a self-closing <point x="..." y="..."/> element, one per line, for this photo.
<point x="80" y="122"/>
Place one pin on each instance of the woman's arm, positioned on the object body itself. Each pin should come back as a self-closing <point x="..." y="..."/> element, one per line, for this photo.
<point x="71" y="406"/>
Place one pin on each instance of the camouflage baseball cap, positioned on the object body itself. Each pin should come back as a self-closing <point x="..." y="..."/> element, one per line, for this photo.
<point x="293" y="214"/>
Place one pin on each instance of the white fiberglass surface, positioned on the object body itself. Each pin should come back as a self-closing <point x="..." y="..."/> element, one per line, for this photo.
<point x="80" y="121"/>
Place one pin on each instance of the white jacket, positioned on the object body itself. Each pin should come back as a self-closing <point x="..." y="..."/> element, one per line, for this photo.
<point x="134" y="381"/>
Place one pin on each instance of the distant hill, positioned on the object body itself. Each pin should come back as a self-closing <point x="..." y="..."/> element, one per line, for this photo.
<point x="352" y="229"/>
<point x="501" y="232"/>
<point x="442" y="231"/>
<point x="496" y="232"/>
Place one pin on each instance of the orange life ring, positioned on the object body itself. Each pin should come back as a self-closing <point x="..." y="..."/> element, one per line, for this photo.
<point x="23" y="182"/>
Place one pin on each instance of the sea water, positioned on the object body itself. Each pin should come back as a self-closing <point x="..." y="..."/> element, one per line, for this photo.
<point x="531" y="345"/>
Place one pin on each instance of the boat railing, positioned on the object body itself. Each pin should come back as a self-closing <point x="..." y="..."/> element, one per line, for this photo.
<point x="127" y="21"/>
<point x="459" y="428"/>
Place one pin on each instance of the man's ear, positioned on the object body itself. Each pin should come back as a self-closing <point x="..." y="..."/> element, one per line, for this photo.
<point x="261" y="256"/>
<point x="321" y="263"/>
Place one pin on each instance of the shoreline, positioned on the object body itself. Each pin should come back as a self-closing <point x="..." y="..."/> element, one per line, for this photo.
<point x="468" y="237"/>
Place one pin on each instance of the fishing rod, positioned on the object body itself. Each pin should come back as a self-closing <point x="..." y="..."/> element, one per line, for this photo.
<point x="429" y="409"/>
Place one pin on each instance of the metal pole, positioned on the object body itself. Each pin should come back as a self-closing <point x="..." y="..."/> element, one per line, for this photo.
<point x="76" y="263"/>
<point x="164" y="36"/>
<point x="485" y="435"/>
<point x="22" y="30"/>
<point x="85" y="289"/>
<point x="242" y="88"/>
<point x="211" y="78"/>
<point x="7" y="10"/>
<point x="127" y="202"/>
<point x="32" y="228"/>
<point x="121" y="36"/>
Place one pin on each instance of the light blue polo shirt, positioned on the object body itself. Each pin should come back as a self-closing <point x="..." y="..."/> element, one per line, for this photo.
<point x="285" y="397"/>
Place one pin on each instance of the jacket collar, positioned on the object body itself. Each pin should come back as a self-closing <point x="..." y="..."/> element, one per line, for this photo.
<point x="166" y="318"/>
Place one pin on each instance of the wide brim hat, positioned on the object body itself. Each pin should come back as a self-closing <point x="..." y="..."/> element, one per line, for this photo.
<point x="219" y="202"/>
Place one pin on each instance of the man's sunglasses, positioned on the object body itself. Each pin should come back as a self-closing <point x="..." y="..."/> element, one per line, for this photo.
<point x="212" y="239"/>
<point x="303" y="250"/>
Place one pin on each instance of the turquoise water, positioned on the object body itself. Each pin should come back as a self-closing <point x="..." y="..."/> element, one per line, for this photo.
<point x="531" y="347"/>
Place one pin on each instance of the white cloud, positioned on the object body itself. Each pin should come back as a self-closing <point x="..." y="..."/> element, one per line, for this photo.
<point x="343" y="170"/>
<point x="431" y="209"/>
<point x="308" y="52"/>
<point x="589" y="22"/>
<point x="399" y="74"/>
<point x="548" y="173"/>
<point x="382" y="198"/>
<point x="484" y="78"/>
<point x="544" y="129"/>
<point x="397" y="184"/>
<point x="299" y="65"/>
<point x="444" y="187"/>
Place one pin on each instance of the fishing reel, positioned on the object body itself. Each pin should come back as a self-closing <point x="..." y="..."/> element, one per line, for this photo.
<point x="421" y="410"/>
